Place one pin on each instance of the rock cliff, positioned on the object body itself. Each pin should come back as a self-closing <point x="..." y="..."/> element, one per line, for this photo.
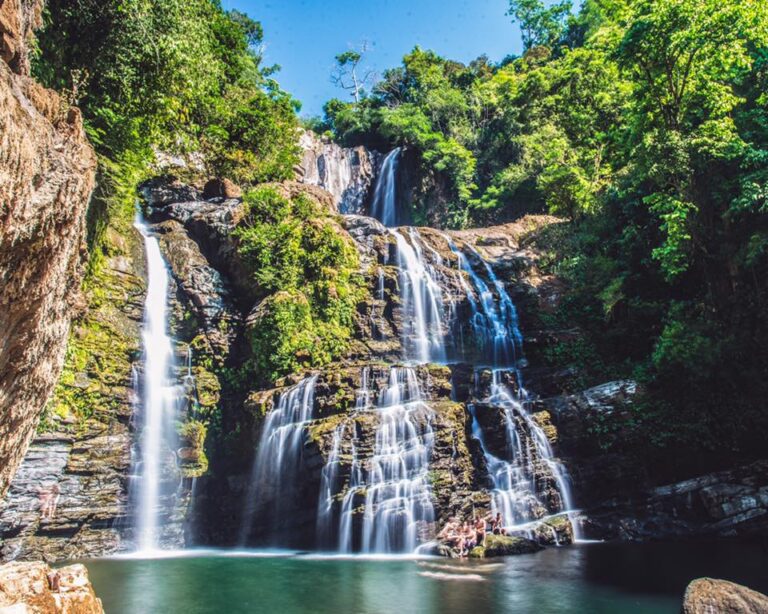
<point x="348" y="174"/>
<point x="47" y="173"/>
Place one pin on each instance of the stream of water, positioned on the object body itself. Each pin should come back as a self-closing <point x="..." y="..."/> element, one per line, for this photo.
<point x="159" y="397"/>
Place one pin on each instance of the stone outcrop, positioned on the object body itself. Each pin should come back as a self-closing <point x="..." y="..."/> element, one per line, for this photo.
<point x="47" y="171"/>
<point x="348" y="174"/>
<point x="35" y="588"/>
<point x="84" y="442"/>
<point x="725" y="504"/>
<point x="18" y="19"/>
<point x="504" y="545"/>
<point x="708" y="596"/>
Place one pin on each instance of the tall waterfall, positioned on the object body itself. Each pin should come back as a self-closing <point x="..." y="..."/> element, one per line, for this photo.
<point x="494" y="317"/>
<point x="159" y="399"/>
<point x="384" y="204"/>
<point x="279" y="455"/>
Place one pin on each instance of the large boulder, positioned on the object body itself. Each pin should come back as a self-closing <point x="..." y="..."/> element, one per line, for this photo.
<point x="35" y="588"/>
<point x="708" y="596"/>
<point x="221" y="188"/>
<point x="504" y="545"/>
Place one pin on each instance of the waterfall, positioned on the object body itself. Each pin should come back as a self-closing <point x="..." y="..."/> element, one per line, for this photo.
<point x="159" y="399"/>
<point x="384" y="204"/>
<point x="517" y="482"/>
<point x="517" y="489"/>
<point x="494" y="317"/>
<point x="423" y="310"/>
<point x="279" y="455"/>
<point x="391" y="488"/>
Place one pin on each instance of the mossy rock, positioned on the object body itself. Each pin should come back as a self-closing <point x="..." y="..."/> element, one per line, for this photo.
<point x="504" y="545"/>
<point x="478" y="552"/>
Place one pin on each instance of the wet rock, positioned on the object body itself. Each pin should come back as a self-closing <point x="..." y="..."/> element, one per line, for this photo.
<point x="725" y="503"/>
<point x="708" y="596"/>
<point x="348" y="174"/>
<point x="504" y="545"/>
<point x="90" y="474"/>
<point x="202" y="290"/>
<point x="38" y="589"/>
<point x="167" y="190"/>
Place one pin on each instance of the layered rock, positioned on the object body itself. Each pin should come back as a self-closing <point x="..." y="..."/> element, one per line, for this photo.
<point x="47" y="171"/>
<point x="348" y="174"/>
<point x="83" y="446"/>
<point x="37" y="589"/>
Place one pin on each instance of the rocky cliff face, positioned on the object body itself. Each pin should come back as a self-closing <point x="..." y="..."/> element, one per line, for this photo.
<point x="47" y="171"/>
<point x="348" y="174"/>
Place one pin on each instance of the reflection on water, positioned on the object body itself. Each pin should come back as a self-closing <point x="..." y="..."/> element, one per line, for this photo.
<point x="589" y="578"/>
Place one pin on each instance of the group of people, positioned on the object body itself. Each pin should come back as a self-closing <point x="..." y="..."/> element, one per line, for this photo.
<point x="463" y="536"/>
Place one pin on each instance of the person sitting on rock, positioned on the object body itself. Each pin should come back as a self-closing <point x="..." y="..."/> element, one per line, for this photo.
<point x="497" y="525"/>
<point x="480" y="530"/>
<point x="447" y="530"/>
<point x="468" y="540"/>
<point x="44" y="493"/>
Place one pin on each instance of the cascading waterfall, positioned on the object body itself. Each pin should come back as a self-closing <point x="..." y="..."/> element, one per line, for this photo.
<point x="398" y="497"/>
<point x="516" y="491"/>
<point x="494" y="317"/>
<point x="384" y="204"/>
<point x="422" y="302"/>
<point x="279" y="454"/>
<point x="392" y="486"/>
<point x="159" y="399"/>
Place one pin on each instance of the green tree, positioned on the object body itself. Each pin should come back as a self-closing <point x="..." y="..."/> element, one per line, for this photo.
<point x="540" y="25"/>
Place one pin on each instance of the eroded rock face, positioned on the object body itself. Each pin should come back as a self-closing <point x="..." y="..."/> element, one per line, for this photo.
<point x="348" y="174"/>
<point x="38" y="589"/>
<point x="47" y="172"/>
<point x="708" y="596"/>
<point x="18" y="19"/>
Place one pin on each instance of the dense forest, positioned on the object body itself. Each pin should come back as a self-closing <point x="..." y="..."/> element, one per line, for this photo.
<point x="643" y="123"/>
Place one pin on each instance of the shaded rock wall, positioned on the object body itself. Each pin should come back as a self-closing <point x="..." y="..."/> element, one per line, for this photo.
<point x="47" y="173"/>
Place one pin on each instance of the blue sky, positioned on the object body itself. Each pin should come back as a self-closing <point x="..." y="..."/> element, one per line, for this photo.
<point x="303" y="36"/>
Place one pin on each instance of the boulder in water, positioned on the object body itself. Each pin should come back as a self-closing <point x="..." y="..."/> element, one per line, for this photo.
<point x="709" y="596"/>
<point x="504" y="545"/>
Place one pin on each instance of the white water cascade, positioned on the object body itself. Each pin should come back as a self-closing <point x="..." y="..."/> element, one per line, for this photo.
<point x="384" y="204"/>
<point x="516" y="478"/>
<point x="278" y="459"/>
<point x="159" y="400"/>
<point x="394" y="482"/>
<point x="424" y="313"/>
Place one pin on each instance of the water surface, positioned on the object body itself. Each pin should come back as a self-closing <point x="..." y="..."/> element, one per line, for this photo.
<point x="595" y="578"/>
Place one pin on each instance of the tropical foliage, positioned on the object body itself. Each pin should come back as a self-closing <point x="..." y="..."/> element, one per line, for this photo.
<point x="645" y="123"/>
